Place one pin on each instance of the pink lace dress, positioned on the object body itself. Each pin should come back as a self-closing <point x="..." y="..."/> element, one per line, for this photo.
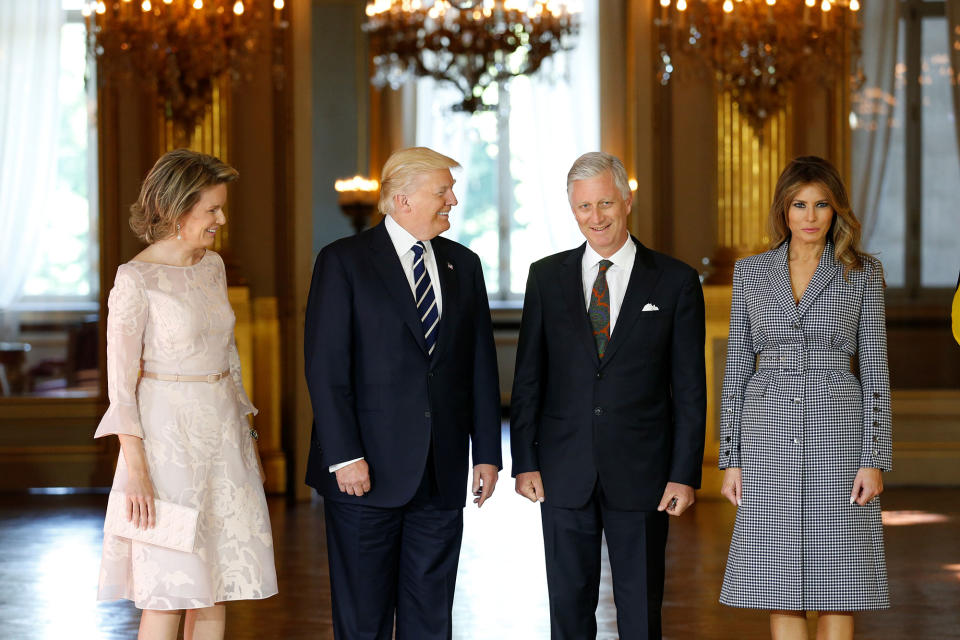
<point x="196" y="438"/>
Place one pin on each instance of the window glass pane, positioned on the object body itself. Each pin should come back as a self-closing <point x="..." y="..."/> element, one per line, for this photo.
<point x="884" y="236"/>
<point x="66" y="266"/>
<point x="471" y="140"/>
<point x="552" y="118"/>
<point x="49" y="337"/>
<point x="940" y="257"/>
<point x="542" y="222"/>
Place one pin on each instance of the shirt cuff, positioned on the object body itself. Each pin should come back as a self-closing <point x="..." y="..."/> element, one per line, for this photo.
<point x="336" y="467"/>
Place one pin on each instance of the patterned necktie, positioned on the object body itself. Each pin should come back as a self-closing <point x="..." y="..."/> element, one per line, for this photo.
<point x="426" y="301"/>
<point x="600" y="308"/>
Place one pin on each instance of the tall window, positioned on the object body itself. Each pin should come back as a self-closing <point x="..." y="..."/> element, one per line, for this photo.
<point x="65" y="268"/>
<point x="512" y="190"/>
<point x="48" y="211"/>
<point x="915" y="232"/>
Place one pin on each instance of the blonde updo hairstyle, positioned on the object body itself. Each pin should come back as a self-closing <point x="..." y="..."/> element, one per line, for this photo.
<point x="171" y="189"/>
<point x="403" y="167"/>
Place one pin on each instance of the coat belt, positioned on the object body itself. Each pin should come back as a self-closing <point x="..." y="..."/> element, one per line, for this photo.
<point x="795" y="360"/>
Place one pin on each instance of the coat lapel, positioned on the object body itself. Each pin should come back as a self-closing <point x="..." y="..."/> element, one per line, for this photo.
<point x="826" y="271"/>
<point x="449" y="292"/>
<point x="388" y="266"/>
<point x="643" y="278"/>
<point x="571" y="282"/>
<point x="779" y="277"/>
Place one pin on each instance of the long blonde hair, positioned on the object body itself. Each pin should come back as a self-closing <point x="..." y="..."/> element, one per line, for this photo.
<point x="844" y="229"/>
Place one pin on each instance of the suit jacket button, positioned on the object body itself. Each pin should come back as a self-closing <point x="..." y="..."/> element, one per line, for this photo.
<point x="876" y="409"/>
<point x="430" y="374"/>
<point x="876" y="424"/>
<point x="796" y="325"/>
<point x="426" y="414"/>
<point x="599" y="375"/>
<point x="727" y="452"/>
<point x="876" y="395"/>
<point x="598" y="411"/>
<point x="728" y="438"/>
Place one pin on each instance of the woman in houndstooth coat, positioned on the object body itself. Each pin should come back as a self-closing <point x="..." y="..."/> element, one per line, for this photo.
<point x="802" y="439"/>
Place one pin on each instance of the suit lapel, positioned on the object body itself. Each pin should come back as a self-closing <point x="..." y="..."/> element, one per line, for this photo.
<point x="643" y="278"/>
<point x="571" y="282"/>
<point x="826" y="270"/>
<point x="388" y="266"/>
<point x="449" y="292"/>
<point x="779" y="277"/>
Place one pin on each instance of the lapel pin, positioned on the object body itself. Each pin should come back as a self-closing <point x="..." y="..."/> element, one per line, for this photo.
<point x="450" y="266"/>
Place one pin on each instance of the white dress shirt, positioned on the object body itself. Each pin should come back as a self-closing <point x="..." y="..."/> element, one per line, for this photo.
<point x="618" y="275"/>
<point x="403" y="242"/>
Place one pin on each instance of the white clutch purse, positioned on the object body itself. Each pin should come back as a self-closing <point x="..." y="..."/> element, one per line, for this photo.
<point x="176" y="524"/>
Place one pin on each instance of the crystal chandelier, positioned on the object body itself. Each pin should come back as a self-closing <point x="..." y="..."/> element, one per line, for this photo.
<point x="179" y="47"/>
<point x="758" y="48"/>
<point x="469" y="43"/>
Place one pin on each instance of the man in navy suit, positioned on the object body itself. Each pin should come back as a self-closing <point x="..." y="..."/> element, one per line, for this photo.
<point x="608" y="407"/>
<point x="402" y="373"/>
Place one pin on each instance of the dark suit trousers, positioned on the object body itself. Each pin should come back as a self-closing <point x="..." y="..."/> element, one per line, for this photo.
<point x="636" y="542"/>
<point x="393" y="561"/>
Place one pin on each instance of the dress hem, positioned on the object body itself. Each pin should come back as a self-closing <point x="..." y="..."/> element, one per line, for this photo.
<point x="205" y="606"/>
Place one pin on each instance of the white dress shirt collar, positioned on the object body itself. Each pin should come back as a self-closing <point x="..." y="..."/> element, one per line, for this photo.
<point x="625" y="255"/>
<point x="402" y="239"/>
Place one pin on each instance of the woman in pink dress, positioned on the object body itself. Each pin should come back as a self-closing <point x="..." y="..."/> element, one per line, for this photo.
<point x="178" y="406"/>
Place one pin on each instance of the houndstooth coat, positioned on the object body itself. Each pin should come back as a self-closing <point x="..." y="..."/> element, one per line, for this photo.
<point x="800" y="425"/>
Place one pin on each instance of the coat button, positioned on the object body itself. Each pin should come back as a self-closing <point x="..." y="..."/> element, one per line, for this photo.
<point x="796" y="441"/>
<point x="598" y="411"/>
<point x="796" y="401"/>
<point x="728" y="438"/>
<point x="727" y="452"/>
<point x="599" y="375"/>
<point x="876" y="395"/>
<point x="876" y="409"/>
<point x="430" y="374"/>
<point x="796" y="325"/>
<point x="426" y="414"/>
<point x="876" y="424"/>
<point x="876" y="439"/>
<point x="875" y="454"/>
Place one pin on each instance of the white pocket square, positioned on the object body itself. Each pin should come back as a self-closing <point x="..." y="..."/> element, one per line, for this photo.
<point x="650" y="307"/>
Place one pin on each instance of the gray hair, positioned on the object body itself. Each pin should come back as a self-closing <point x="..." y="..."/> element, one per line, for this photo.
<point x="592" y="164"/>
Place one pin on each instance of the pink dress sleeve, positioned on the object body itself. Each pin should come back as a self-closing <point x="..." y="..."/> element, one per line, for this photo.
<point x="246" y="407"/>
<point x="126" y="321"/>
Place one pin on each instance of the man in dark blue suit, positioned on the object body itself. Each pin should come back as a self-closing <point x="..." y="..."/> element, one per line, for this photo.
<point x="608" y="407"/>
<point x="402" y="373"/>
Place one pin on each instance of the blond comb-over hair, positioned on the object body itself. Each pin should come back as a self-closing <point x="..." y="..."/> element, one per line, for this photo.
<point x="403" y="167"/>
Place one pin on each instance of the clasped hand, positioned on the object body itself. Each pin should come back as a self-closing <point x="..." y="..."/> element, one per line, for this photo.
<point x="139" y="507"/>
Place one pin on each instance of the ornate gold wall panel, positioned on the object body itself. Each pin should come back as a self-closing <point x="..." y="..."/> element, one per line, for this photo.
<point x="211" y="136"/>
<point x="748" y="163"/>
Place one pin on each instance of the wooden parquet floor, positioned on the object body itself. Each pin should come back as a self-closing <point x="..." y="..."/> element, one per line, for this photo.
<point x="50" y="554"/>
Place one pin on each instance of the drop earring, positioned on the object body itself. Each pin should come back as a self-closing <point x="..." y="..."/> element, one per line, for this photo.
<point x="178" y="232"/>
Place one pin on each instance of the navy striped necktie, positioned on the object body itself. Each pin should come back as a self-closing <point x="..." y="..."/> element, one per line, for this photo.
<point x="426" y="301"/>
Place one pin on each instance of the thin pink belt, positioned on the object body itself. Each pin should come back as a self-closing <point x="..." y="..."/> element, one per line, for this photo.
<point x="177" y="377"/>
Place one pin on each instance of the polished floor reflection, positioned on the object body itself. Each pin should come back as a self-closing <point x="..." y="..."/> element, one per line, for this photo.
<point x="50" y="553"/>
